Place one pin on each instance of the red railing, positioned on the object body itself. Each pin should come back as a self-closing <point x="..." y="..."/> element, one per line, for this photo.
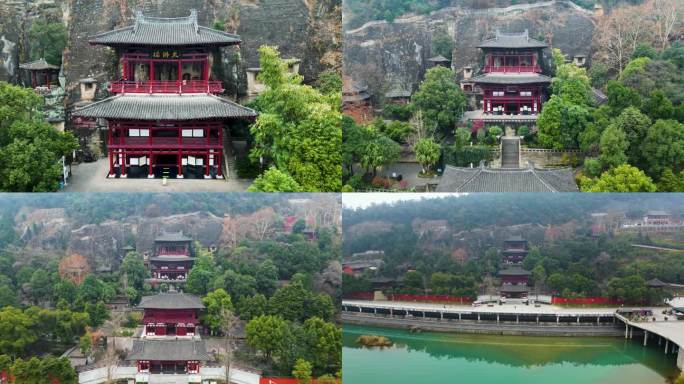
<point x="155" y="86"/>
<point x="586" y="300"/>
<point x="164" y="142"/>
<point x="431" y="298"/>
<point x="512" y="68"/>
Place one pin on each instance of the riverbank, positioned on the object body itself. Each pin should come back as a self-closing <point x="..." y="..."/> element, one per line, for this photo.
<point x="485" y="327"/>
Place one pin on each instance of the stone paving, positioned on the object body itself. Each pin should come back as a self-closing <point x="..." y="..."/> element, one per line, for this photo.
<point x="91" y="177"/>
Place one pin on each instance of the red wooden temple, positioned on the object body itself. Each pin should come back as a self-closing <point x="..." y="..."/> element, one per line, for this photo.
<point x="165" y="118"/>
<point x="512" y="84"/>
<point x="177" y="357"/>
<point x="42" y="72"/>
<point x="171" y="314"/>
<point x="172" y="259"/>
<point x="514" y="279"/>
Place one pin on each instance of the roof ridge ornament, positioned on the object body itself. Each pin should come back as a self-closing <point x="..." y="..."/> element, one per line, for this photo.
<point x="193" y="19"/>
<point x="139" y="18"/>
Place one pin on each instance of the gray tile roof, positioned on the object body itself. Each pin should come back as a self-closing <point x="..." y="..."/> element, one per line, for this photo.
<point x="511" y="78"/>
<point x="657" y="213"/>
<point x="481" y="179"/>
<point x="172" y="236"/>
<point x="165" y="107"/>
<point x="38" y="65"/>
<point x="512" y="40"/>
<point x="439" y="59"/>
<point x="169" y="350"/>
<point x="172" y="258"/>
<point x="171" y="300"/>
<point x="514" y="271"/>
<point x="155" y="31"/>
<point x="515" y="238"/>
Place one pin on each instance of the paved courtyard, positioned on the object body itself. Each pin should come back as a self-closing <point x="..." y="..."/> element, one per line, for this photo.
<point x="92" y="177"/>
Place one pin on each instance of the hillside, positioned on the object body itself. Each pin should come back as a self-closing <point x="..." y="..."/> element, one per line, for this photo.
<point x="454" y="244"/>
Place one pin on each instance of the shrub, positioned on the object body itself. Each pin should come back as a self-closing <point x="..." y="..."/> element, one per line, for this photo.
<point x="592" y="167"/>
<point x="495" y="131"/>
<point x="463" y="157"/>
<point x="523" y="130"/>
<point x="246" y="169"/>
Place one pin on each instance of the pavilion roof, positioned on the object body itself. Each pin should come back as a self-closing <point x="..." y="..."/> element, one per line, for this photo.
<point x="657" y="213"/>
<point x="656" y="283"/>
<point x="439" y="59"/>
<point x="514" y="271"/>
<point x="511" y="78"/>
<point x="515" y="238"/>
<point x="172" y="237"/>
<point x="172" y="258"/>
<point x="481" y="179"/>
<point x="169" y="350"/>
<point x="512" y="40"/>
<point x="165" y="107"/>
<point x="171" y="300"/>
<point x="157" y="31"/>
<point x="38" y="65"/>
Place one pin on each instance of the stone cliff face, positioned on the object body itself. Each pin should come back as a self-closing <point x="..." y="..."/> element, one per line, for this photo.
<point x="50" y="233"/>
<point x="303" y="29"/>
<point x="386" y="55"/>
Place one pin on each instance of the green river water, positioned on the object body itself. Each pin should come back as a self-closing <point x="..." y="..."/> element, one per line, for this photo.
<point x="483" y="359"/>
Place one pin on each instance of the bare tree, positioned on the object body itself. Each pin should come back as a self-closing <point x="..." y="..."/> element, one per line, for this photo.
<point x="618" y="35"/>
<point x="227" y="327"/>
<point x="666" y="14"/>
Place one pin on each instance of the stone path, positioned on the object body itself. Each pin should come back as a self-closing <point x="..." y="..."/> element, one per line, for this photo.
<point x="91" y="177"/>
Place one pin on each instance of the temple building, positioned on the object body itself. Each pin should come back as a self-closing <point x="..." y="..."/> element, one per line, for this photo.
<point x="165" y="118"/>
<point x="514" y="279"/>
<point x="512" y="85"/>
<point x="485" y="179"/>
<point x="43" y="74"/>
<point x="171" y="314"/>
<point x="168" y="357"/>
<point x="356" y="101"/>
<point x="172" y="259"/>
<point x="657" y="218"/>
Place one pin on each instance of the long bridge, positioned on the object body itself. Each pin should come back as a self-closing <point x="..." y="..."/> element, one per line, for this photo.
<point x="518" y="319"/>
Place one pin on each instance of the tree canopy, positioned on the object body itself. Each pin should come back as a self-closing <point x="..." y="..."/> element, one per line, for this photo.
<point x="298" y="128"/>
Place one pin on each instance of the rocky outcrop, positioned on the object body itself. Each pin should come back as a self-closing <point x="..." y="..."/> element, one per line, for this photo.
<point x="304" y="29"/>
<point x="50" y="233"/>
<point x="385" y="55"/>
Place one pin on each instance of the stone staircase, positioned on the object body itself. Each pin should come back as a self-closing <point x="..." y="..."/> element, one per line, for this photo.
<point x="510" y="152"/>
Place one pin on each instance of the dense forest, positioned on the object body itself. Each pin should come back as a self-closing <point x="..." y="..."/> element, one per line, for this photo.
<point x="566" y="258"/>
<point x="279" y="286"/>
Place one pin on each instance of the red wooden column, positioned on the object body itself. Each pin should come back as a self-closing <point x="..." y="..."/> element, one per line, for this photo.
<point x="218" y="159"/>
<point x="150" y="175"/>
<point x="33" y="79"/>
<point x="123" y="163"/>
<point x="206" y="165"/>
<point x="111" y="163"/>
<point x="179" y="79"/>
<point x="180" y="165"/>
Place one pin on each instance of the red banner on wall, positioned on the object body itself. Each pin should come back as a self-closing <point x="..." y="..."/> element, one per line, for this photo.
<point x="586" y="300"/>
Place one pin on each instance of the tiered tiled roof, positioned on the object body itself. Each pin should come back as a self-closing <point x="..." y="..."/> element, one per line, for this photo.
<point x="156" y="31"/>
<point x="512" y="40"/>
<point x="483" y="179"/>
<point x="169" y="350"/>
<point x="511" y="78"/>
<point x="172" y="237"/>
<point x="171" y="300"/>
<point x="165" y="107"/>
<point x="38" y="65"/>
